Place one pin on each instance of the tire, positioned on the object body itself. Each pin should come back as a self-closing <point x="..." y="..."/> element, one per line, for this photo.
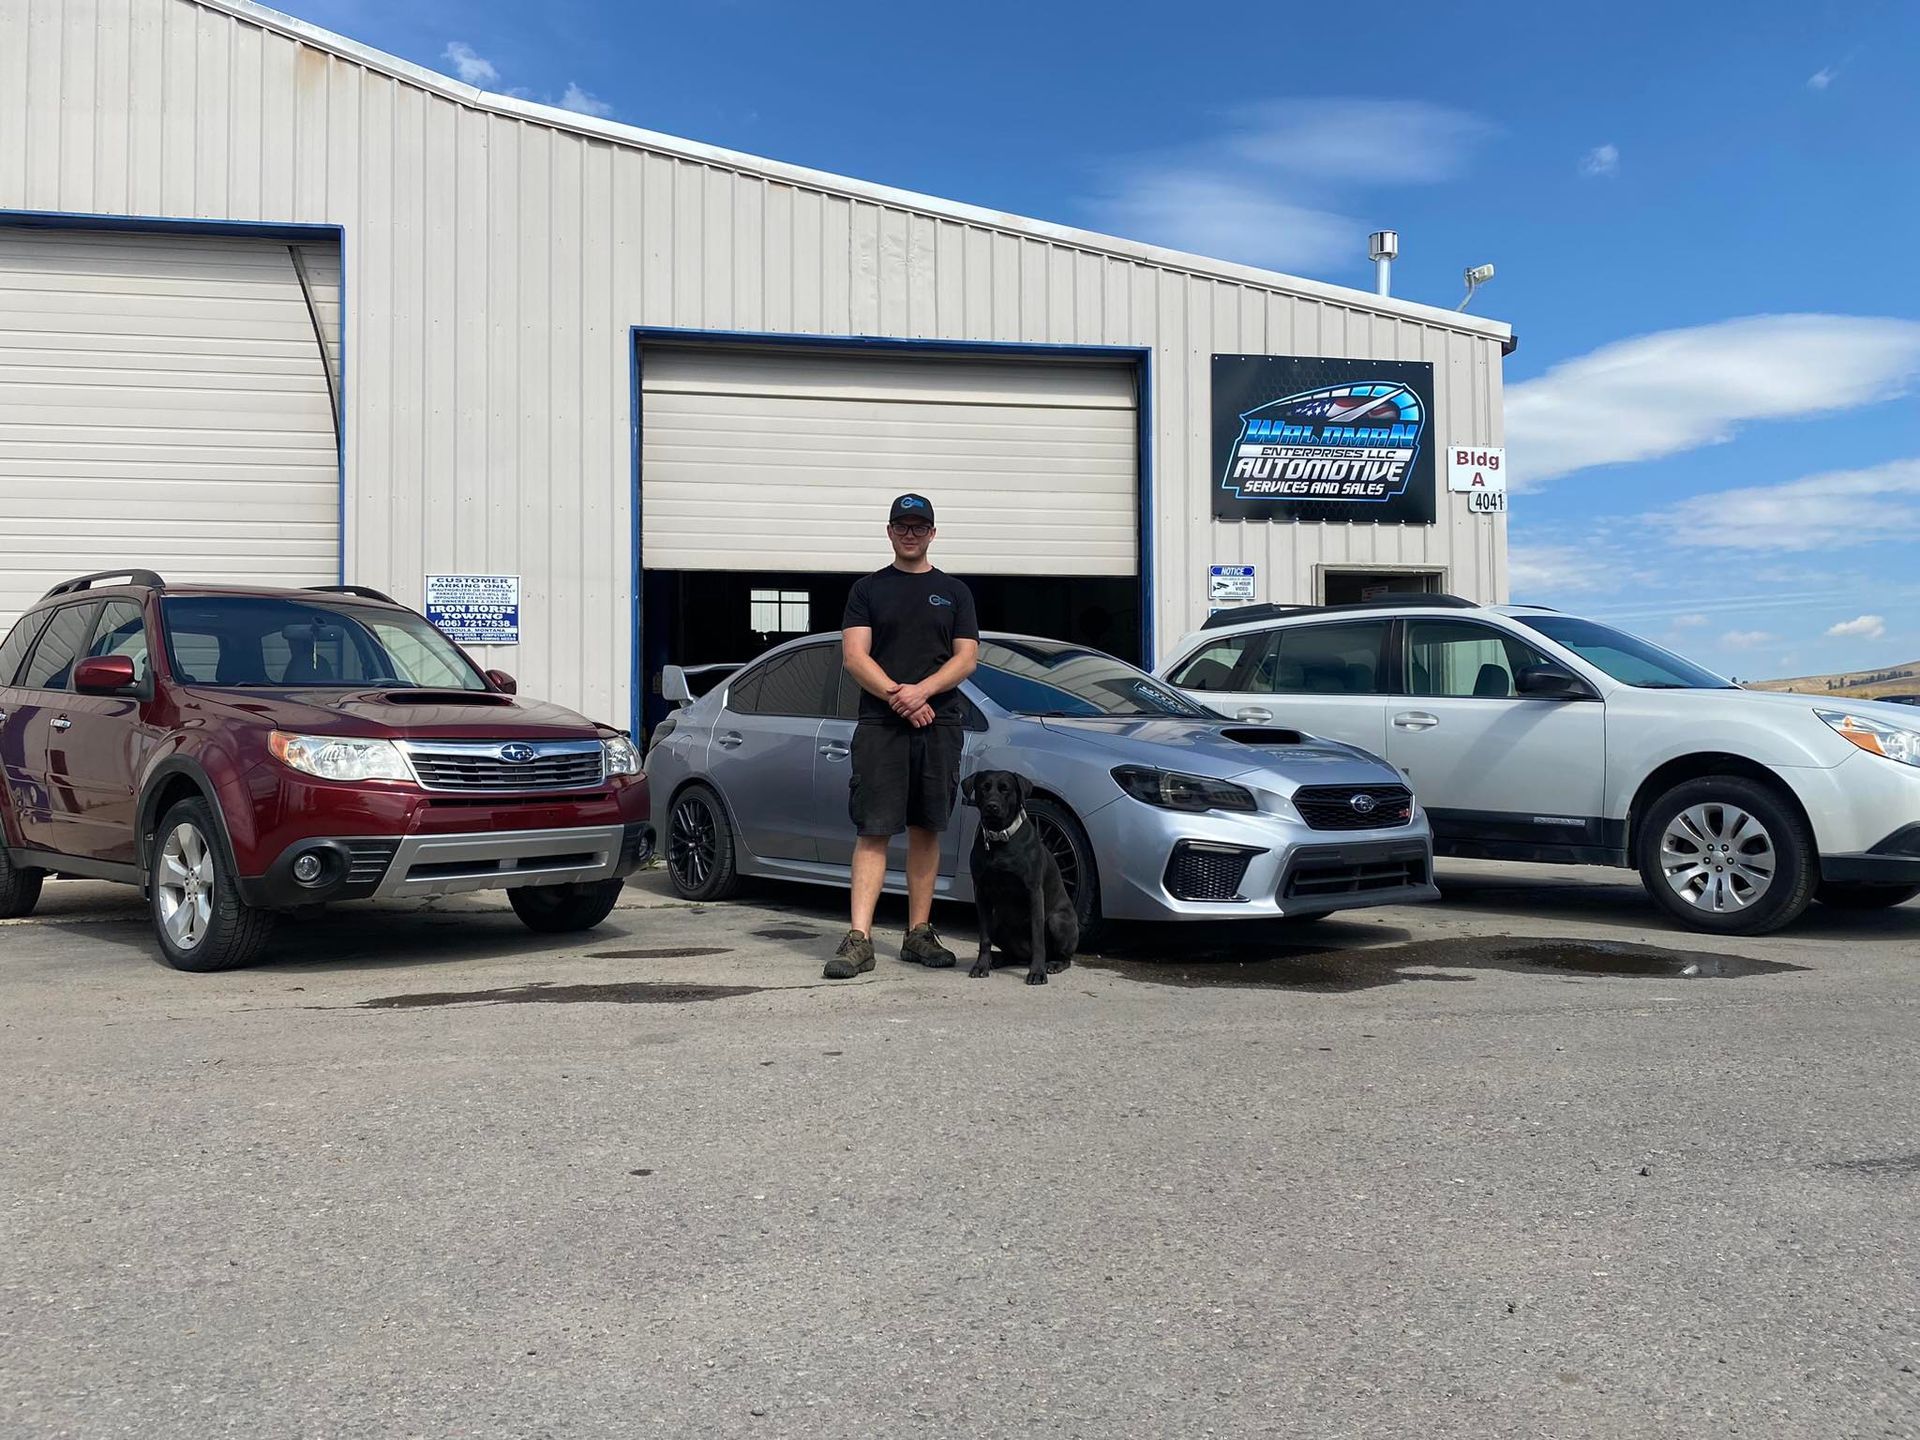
<point x="561" y="909"/>
<point x="1727" y="856"/>
<point x="19" y="887"/>
<point x="1067" y="842"/>
<point x="699" y="846"/>
<point x="199" y="919"/>
<point x="1843" y="896"/>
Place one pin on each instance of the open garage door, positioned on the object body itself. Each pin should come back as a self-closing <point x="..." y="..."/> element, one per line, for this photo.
<point x="165" y="402"/>
<point x="785" y="459"/>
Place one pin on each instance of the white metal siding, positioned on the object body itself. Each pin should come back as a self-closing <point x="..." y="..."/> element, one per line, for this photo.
<point x="162" y="405"/>
<point x="786" y="460"/>
<point x="497" y="253"/>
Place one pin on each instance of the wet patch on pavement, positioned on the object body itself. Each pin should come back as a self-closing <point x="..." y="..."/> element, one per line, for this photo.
<point x="1315" y="968"/>
<point x="791" y="935"/>
<point x="546" y="992"/>
<point x="1892" y="1167"/>
<point x="660" y="953"/>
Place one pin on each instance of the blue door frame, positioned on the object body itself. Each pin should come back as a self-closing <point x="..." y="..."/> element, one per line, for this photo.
<point x="1139" y="356"/>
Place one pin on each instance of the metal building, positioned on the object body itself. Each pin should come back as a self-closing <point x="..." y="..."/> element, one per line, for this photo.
<point x="277" y="307"/>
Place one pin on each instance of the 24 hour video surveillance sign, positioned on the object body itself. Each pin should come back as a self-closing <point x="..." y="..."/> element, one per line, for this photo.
<point x="1314" y="438"/>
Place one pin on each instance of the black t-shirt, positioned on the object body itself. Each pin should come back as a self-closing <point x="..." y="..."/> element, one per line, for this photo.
<point x="915" y="619"/>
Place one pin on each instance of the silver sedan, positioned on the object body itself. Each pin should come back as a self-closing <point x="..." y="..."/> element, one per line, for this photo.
<point x="1155" y="807"/>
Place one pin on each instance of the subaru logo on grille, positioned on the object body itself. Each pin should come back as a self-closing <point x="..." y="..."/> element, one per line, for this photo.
<point x="1364" y="804"/>
<point x="516" y="754"/>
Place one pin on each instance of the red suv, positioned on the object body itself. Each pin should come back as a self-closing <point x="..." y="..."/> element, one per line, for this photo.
<point x="243" y="753"/>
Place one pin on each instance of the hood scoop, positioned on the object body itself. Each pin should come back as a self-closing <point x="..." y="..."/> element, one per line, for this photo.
<point x="482" y="699"/>
<point x="1262" y="735"/>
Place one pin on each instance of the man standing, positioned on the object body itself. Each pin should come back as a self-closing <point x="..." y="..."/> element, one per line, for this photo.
<point x="910" y="637"/>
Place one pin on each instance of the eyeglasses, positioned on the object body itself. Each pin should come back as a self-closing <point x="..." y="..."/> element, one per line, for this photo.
<point x="911" y="532"/>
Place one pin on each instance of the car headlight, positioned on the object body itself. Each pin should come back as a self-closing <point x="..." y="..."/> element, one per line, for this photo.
<point x="329" y="757"/>
<point x="1876" y="736"/>
<point x="622" y="756"/>
<point x="1171" y="790"/>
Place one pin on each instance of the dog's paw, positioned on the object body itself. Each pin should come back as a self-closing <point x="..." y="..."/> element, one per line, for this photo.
<point x="981" y="969"/>
<point x="1054" y="967"/>
<point x="1036" y="977"/>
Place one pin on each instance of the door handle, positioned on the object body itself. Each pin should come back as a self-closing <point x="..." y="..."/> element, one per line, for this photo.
<point x="3" y="717"/>
<point x="1415" y="720"/>
<point x="1253" y="713"/>
<point x="834" y="750"/>
<point x="730" y="739"/>
<point x="63" y="723"/>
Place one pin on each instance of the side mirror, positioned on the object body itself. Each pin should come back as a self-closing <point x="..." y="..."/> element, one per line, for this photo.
<point x="105" y="675"/>
<point x="1552" y="682"/>
<point x="674" y="687"/>
<point x="503" y="682"/>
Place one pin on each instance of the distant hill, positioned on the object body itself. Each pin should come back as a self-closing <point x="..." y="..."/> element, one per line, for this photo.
<point x="1860" y="684"/>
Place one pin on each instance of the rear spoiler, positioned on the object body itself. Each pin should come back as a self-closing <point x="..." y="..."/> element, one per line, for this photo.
<point x="683" y="684"/>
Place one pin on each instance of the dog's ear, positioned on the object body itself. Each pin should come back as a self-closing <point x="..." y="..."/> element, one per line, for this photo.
<point x="966" y="788"/>
<point x="1026" y="787"/>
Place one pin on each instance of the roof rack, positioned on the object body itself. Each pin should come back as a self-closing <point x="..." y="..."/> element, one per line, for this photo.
<point x="365" y="592"/>
<point x="86" y="582"/>
<point x="1247" y="614"/>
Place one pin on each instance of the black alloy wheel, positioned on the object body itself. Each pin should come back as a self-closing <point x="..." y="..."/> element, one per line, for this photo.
<point x="700" y="854"/>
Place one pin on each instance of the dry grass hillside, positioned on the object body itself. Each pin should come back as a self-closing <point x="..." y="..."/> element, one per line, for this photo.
<point x="1860" y="684"/>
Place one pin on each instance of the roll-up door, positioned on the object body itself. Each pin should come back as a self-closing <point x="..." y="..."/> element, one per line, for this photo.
<point x="163" y="404"/>
<point x="785" y="460"/>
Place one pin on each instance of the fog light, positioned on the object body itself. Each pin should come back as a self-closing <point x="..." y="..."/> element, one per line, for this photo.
<point x="307" y="869"/>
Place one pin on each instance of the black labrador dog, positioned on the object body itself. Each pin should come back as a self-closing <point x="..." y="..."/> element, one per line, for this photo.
<point x="1023" y="904"/>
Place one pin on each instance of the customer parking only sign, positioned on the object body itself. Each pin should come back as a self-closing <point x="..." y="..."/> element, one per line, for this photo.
<point x="475" y="609"/>
<point x="1315" y="438"/>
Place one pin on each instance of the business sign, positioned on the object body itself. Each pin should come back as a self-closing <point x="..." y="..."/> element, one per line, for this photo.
<point x="1471" y="471"/>
<point x="1230" y="582"/>
<point x="475" y="609"/>
<point x="1313" y="438"/>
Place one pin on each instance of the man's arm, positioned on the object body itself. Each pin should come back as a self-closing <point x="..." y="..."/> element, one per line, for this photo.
<point x="908" y="698"/>
<point x="856" y="650"/>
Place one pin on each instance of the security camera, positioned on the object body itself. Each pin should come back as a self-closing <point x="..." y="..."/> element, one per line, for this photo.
<point x="1479" y="274"/>
<point x="1383" y="245"/>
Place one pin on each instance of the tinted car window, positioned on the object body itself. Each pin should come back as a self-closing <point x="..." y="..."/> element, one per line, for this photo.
<point x="50" y="666"/>
<point x="15" y="650"/>
<point x="294" y="644"/>
<point x="1625" y="657"/>
<point x="799" y="682"/>
<point x="1218" y="665"/>
<point x="1455" y="658"/>
<point x="121" y="631"/>
<point x="1039" y="677"/>
<point x="1321" y="660"/>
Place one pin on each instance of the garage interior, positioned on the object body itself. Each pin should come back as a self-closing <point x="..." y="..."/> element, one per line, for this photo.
<point x="766" y="471"/>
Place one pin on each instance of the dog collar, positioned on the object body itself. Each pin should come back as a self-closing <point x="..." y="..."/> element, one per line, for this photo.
<point x="1000" y="837"/>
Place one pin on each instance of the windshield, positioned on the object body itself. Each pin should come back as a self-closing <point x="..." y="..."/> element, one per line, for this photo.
<point x="249" y="641"/>
<point x="1031" y="677"/>
<point x="1627" y="658"/>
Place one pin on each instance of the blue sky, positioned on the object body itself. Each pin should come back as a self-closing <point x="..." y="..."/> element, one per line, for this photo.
<point x="1703" y="219"/>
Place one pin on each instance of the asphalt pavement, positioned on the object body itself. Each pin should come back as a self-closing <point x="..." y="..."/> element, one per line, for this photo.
<point x="1523" y="1163"/>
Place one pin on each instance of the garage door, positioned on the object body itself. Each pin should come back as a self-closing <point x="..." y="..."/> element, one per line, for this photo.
<point x="164" y="403"/>
<point x="785" y="460"/>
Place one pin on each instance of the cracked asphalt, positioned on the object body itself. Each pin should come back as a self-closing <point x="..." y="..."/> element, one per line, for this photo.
<point x="1524" y="1163"/>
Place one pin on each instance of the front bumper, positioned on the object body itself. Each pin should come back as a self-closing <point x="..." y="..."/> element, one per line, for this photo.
<point x="1894" y="861"/>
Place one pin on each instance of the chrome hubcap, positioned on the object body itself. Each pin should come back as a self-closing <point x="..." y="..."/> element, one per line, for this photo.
<point x="691" y="849"/>
<point x="1718" y="858"/>
<point x="185" y="887"/>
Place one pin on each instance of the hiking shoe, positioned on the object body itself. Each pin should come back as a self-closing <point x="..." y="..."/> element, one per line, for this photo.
<point x="923" y="947"/>
<point x="854" y="957"/>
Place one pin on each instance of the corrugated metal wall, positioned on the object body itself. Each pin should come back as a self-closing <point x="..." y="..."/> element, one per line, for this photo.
<point x="495" y="261"/>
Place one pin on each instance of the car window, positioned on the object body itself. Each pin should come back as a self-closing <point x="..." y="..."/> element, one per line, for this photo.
<point x="121" y="631"/>
<point x="1625" y="657"/>
<point x="284" y="643"/>
<point x="18" y="641"/>
<point x="50" y="666"/>
<point x="799" y="682"/>
<point x="1456" y="658"/>
<point x="1050" y="677"/>
<point x="1220" y="666"/>
<point x="1321" y="660"/>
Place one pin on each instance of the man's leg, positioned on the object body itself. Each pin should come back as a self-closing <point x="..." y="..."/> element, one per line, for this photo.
<point x="869" y="875"/>
<point x="923" y="865"/>
<point x="935" y="777"/>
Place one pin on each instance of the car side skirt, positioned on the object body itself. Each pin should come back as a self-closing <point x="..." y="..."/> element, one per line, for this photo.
<point x="1541" y="839"/>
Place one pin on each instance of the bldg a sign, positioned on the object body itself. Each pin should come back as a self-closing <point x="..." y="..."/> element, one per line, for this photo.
<point x="1481" y="476"/>
<point x="1315" y="438"/>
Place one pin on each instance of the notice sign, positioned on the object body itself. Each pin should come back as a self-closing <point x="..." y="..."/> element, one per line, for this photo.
<point x="1477" y="472"/>
<point x="1230" y="582"/>
<point x="1317" y="438"/>
<point x="475" y="609"/>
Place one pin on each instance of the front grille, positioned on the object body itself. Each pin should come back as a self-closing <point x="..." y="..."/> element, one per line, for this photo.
<point x="1331" y="807"/>
<point x="1207" y="872"/>
<point x="1316" y="879"/>
<point x="367" y="860"/>
<point x="570" y="766"/>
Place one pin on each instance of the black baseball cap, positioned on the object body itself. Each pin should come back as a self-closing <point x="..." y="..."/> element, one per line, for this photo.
<point x="911" y="507"/>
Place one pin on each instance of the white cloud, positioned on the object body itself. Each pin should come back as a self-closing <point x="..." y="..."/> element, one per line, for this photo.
<point x="1745" y="639"/>
<point x="472" y="68"/>
<point x="1834" y="511"/>
<point x="1822" y="78"/>
<point x="1677" y="390"/>
<point x="1534" y="571"/>
<point x="1603" y="162"/>
<point x="1272" y="188"/>
<point x="1866" y="627"/>
<point x="577" y="99"/>
<point x="1695" y="621"/>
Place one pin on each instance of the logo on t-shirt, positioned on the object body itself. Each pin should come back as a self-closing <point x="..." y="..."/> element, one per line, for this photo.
<point x="938" y="600"/>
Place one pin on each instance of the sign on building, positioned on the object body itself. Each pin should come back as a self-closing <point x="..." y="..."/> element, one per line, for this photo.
<point x="475" y="609"/>
<point x="1470" y="470"/>
<point x="1314" y="438"/>
<point x="1229" y="582"/>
